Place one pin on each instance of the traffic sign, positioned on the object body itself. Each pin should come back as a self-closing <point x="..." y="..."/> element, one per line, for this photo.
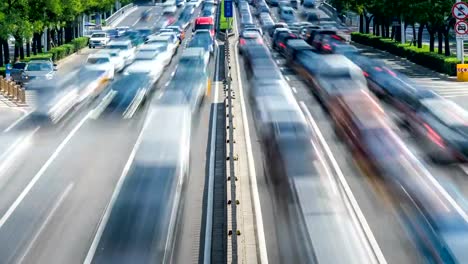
<point x="228" y="8"/>
<point x="461" y="28"/>
<point x="460" y="10"/>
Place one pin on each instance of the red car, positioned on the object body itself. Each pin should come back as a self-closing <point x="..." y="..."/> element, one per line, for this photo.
<point x="205" y="23"/>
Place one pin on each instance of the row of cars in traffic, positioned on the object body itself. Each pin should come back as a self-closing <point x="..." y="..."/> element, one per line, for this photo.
<point x="161" y="164"/>
<point x="349" y="85"/>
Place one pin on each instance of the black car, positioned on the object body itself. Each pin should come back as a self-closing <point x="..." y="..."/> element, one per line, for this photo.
<point x="280" y="39"/>
<point x="249" y="38"/>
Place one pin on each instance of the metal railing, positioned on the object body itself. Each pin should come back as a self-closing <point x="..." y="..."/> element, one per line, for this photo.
<point x="231" y="158"/>
<point x="12" y="91"/>
<point x="118" y="13"/>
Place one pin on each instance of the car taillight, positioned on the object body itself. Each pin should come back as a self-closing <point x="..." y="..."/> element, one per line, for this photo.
<point x="336" y="37"/>
<point x="365" y="74"/>
<point x="378" y="69"/>
<point x="242" y="42"/>
<point x="282" y="45"/>
<point x="434" y="137"/>
<point x="259" y="41"/>
<point x="327" y="47"/>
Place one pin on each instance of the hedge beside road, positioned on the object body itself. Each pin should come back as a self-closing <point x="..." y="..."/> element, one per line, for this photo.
<point x="59" y="52"/>
<point x="421" y="56"/>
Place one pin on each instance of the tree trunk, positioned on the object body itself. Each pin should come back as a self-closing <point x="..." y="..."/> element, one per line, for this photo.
<point x="361" y="23"/>
<point x="415" y="38"/>
<point x="376" y="26"/>
<point x="447" y="42"/>
<point x="387" y="29"/>
<point x="432" y="32"/>
<point x="48" y="38"/>
<point x="6" y="51"/>
<point x="1" y="53"/>
<point x="21" y="50"/>
<point x="39" y="43"/>
<point x="440" y="38"/>
<point x="16" y="52"/>
<point x="368" y="23"/>
<point x="28" y="48"/>
<point x="68" y="34"/>
<point x="420" y="33"/>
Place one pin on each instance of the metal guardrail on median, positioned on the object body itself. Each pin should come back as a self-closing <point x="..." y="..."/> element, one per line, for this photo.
<point x="118" y="13"/>
<point x="12" y="91"/>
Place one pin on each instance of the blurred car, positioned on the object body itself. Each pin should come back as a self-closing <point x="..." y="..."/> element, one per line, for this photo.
<point x="134" y="36"/>
<point x="38" y="70"/>
<point x="249" y="38"/>
<point x="209" y="6"/>
<point x="324" y="43"/>
<point x="164" y="40"/>
<point x="17" y="70"/>
<point x="144" y="32"/>
<point x="122" y="29"/>
<point x="180" y="3"/>
<point x="279" y="31"/>
<point x="205" y="23"/>
<point x="286" y="14"/>
<point x="273" y="2"/>
<point x="159" y="52"/>
<point x="262" y="9"/>
<point x="338" y="75"/>
<point x="293" y="46"/>
<point x="309" y="3"/>
<point x="315" y="37"/>
<point x="207" y="13"/>
<point x="280" y="40"/>
<point x="126" y="94"/>
<point x="312" y="17"/>
<point x="344" y="49"/>
<point x="146" y="15"/>
<point x="126" y="48"/>
<point x="178" y="30"/>
<point x="101" y="62"/>
<point x="191" y="56"/>
<point x="53" y="100"/>
<point x="113" y="33"/>
<point x="277" y="25"/>
<point x="195" y="3"/>
<point x="149" y="66"/>
<point x="173" y="37"/>
<point x="116" y="58"/>
<point x="202" y="39"/>
<point x="307" y="31"/>
<point x="171" y="10"/>
<point x="98" y="39"/>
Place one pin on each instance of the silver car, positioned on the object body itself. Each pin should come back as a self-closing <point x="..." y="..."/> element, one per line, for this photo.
<point x="38" y="70"/>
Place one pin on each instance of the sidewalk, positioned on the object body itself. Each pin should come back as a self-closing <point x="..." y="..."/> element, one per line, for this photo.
<point x="446" y="86"/>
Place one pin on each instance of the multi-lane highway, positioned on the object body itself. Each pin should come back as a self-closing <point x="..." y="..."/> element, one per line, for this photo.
<point x="57" y="186"/>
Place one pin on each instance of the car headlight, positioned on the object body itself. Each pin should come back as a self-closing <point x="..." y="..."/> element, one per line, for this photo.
<point x="49" y="76"/>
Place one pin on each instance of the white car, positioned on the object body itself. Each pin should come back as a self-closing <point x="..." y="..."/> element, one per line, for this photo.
<point x="163" y="40"/>
<point x="98" y="39"/>
<point x="170" y="10"/>
<point x="116" y="58"/>
<point x="101" y="62"/>
<point x="158" y="52"/>
<point x="126" y="48"/>
<point x="151" y="67"/>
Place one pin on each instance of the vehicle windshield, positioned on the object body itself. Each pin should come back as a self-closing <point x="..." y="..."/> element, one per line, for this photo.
<point x="446" y="111"/>
<point x="39" y="67"/>
<point x="119" y="47"/>
<point x="146" y="55"/>
<point x="98" y="35"/>
<point x="204" y="26"/>
<point x="97" y="60"/>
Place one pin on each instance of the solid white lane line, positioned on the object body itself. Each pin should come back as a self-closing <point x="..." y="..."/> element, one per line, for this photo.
<point x="47" y="220"/>
<point x="252" y="173"/>
<point x="41" y="172"/>
<point x="374" y="246"/>
<point x="294" y="90"/>
<point x="209" y="205"/>
<point x="115" y="194"/>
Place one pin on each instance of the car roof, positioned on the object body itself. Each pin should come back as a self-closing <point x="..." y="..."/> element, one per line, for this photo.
<point x="203" y="20"/>
<point x="193" y="52"/>
<point x="159" y="37"/>
<point x="99" y="55"/>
